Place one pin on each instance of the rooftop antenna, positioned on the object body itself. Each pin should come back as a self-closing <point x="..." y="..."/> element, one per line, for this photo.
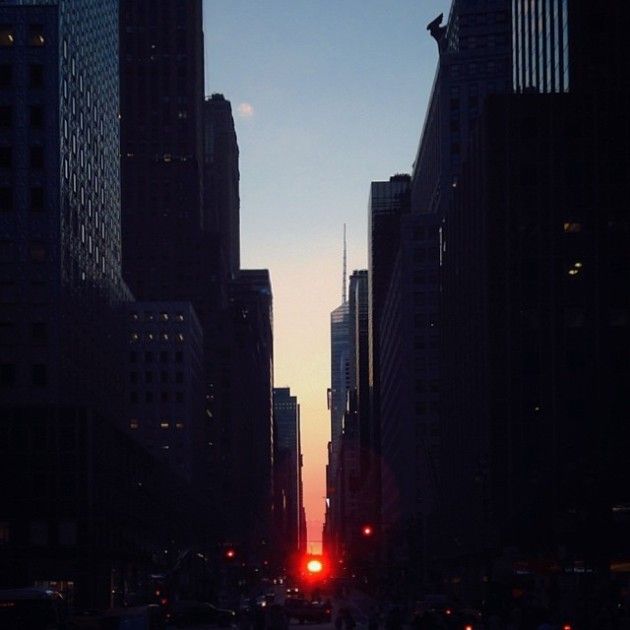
<point x="345" y="267"/>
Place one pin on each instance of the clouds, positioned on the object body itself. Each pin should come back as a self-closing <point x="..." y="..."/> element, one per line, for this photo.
<point x="245" y="110"/>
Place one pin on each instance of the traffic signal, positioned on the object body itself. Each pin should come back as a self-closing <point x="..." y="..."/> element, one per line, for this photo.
<point x="230" y="553"/>
<point x="367" y="530"/>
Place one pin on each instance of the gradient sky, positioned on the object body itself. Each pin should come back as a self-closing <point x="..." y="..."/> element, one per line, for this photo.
<point x="328" y="95"/>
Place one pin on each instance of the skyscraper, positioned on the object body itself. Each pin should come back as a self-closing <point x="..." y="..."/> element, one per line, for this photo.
<point x="161" y="144"/>
<point x="389" y="201"/>
<point x="221" y="181"/>
<point x="247" y="464"/>
<point x="60" y="222"/>
<point x="287" y="465"/>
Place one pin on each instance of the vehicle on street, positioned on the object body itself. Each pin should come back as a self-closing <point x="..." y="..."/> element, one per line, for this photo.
<point x="189" y="613"/>
<point x="305" y="611"/>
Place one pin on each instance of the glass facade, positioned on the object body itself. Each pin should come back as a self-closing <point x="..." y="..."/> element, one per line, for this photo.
<point x="540" y="39"/>
<point x="61" y="237"/>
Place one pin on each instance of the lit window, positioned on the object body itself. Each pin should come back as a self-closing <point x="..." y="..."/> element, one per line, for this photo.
<point x="36" y="35"/>
<point x="165" y="336"/>
<point x="572" y="228"/>
<point x="180" y="337"/>
<point x="7" y="37"/>
<point x="134" y="336"/>
<point x="6" y="199"/>
<point x="133" y="424"/>
<point x="179" y="425"/>
<point x="164" y="425"/>
<point x="164" y="317"/>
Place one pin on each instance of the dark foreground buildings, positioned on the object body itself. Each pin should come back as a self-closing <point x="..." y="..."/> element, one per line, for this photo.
<point x="499" y="315"/>
<point x="116" y="416"/>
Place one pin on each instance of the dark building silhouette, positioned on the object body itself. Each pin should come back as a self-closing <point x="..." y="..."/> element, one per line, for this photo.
<point x="350" y="504"/>
<point x="247" y="459"/>
<point x="410" y="377"/>
<point x="287" y="473"/>
<point x="180" y="201"/>
<point x="475" y="49"/>
<point x="70" y="478"/>
<point x="388" y="202"/>
<point x="161" y="145"/>
<point x="164" y="382"/>
<point x="221" y="180"/>
<point x="535" y="380"/>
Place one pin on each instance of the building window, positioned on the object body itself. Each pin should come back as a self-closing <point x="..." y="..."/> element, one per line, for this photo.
<point x="148" y="397"/>
<point x="37" y="199"/>
<point x="133" y="377"/>
<point x="37" y="157"/>
<point x="6" y="157"/>
<point x="164" y="424"/>
<point x="572" y="227"/>
<point x="133" y="397"/>
<point x="148" y="357"/>
<point x="67" y="533"/>
<point x="5" y="533"/>
<point x="7" y="374"/>
<point x="39" y="332"/>
<point x="179" y="397"/>
<point x="6" y="75"/>
<point x="148" y="377"/>
<point x="36" y="75"/>
<point x="7" y="36"/>
<point x="163" y="356"/>
<point x="36" y="35"/>
<point x="133" y="423"/>
<point x="37" y="116"/>
<point x="39" y="376"/>
<point x="37" y="252"/>
<point x="179" y="356"/>
<point x="6" y="116"/>
<point x="164" y="397"/>
<point x="179" y="377"/>
<point x="6" y="199"/>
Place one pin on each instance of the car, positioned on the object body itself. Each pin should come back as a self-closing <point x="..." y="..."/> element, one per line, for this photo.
<point x="304" y="610"/>
<point x="185" y="613"/>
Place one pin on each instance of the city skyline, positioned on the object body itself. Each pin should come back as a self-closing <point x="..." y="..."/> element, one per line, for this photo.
<point x="305" y="81"/>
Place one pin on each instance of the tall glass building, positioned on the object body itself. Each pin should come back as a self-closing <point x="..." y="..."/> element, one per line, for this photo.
<point x="60" y="192"/>
<point x="540" y="37"/>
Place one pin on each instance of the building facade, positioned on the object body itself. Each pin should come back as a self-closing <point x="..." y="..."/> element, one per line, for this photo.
<point x="164" y="382"/>
<point x="287" y="466"/>
<point x="161" y="145"/>
<point x="247" y="453"/>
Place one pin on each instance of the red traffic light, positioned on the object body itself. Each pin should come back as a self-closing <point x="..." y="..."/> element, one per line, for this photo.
<point x="367" y="530"/>
<point x="230" y="553"/>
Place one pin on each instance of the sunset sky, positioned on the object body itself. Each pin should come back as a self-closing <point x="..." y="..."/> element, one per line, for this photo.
<point x="327" y="95"/>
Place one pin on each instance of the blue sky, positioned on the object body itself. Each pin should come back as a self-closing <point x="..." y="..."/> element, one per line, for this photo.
<point x="328" y="95"/>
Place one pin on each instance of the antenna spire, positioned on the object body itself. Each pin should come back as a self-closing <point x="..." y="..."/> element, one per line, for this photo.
<point x="344" y="291"/>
